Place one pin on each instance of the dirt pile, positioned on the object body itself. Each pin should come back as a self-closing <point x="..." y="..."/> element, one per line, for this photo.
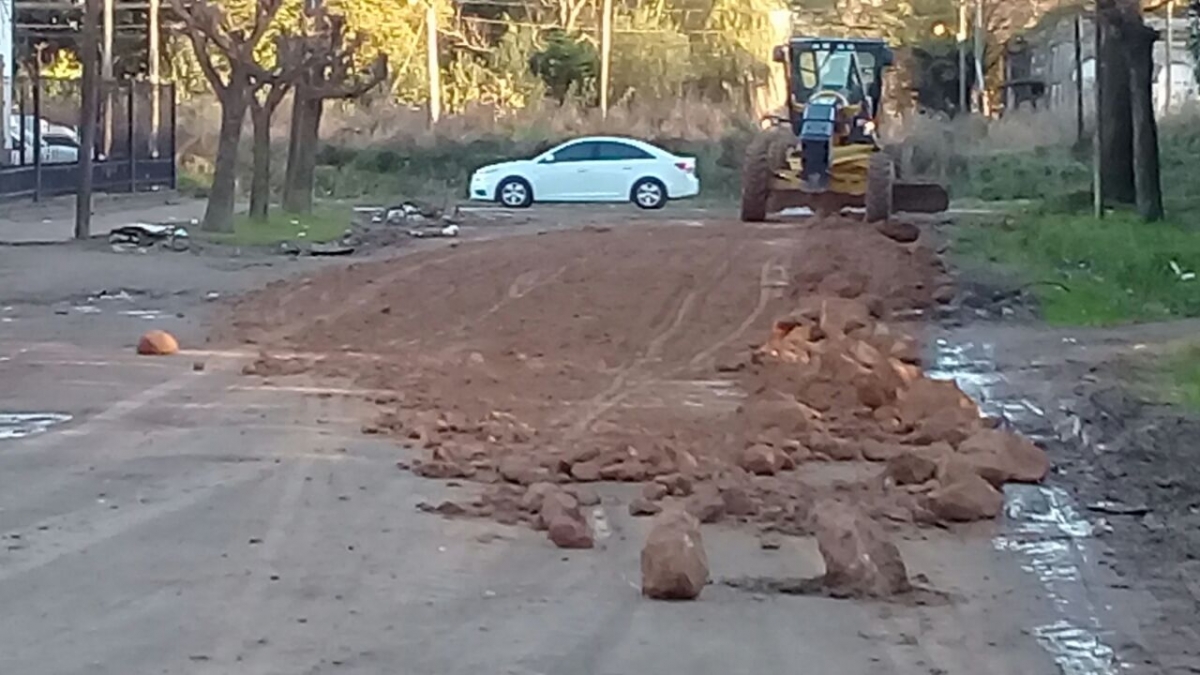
<point x="831" y="384"/>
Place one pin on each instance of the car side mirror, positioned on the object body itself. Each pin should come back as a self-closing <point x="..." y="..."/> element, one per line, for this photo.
<point x="546" y="159"/>
<point x="779" y="54"/>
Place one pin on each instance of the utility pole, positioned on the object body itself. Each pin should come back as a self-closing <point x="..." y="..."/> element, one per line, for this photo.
<point x="1079" y="119"/>
<point x="1098" y="137"/>
<point x="606" y="18"/>
<point x="1170" y="56"/>
<point x="980" y="44"/>
<point x="155" y="77"/>
<point x="432" y="64"/>
<point x="106" y="75"/>
<point x="89" y="52"/>
<point x="962" y="57"/>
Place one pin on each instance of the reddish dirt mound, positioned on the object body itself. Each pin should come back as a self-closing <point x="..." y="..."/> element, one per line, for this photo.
<point x="650" y="355"/>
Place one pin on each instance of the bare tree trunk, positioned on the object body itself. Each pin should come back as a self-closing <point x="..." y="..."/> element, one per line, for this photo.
<point x="260" y="183"/>
<point x="1117" y="162"/>
<point x="1141" y="39"/>
<point x="218" y="215"/>
<point x="302" y="154"/>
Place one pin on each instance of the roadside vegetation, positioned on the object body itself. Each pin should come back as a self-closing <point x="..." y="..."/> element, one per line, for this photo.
<point x="1085" y="271"/>
<point x="326" y="223"/>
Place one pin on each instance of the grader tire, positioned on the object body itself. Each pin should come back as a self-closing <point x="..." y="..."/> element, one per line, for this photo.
<point x="881" y="177"/>
<point x="766" y="154"/>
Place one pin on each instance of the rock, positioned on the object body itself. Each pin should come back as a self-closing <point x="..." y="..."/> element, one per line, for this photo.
<point x="198" y="366"/>
<point x="655" y="491"/>
<point x="586" y="472"/>
<point x="881" y="451"/>
<point x="568" y="532"/>
<point x="531" y="501"/>
<point x="441" y="470"/>
<point x="706" y="504"/>
<point x="1023" y="461"/>
<point x="944" y="295"/>
<point x="738" y="501"/>
<point x="157" y="343"/>
<point x="556" y="504"/>
<point x="770" y="541"/>
<point x="837" y="449"/>
<point x="522" y="471"/>
<point x="674" y="564"/>
<point x="910" y="469"/>
<point x="627" y="471"/>
<point x="585" y="495"/>
<point x="762" y="460"/>
<point x="968" y="499"/>
<point x="677" y="484"/>
<point x="446" y="508"/>
<point x="644" y="507"/>
<point x="859" y="557"/>
<point x="900" y="232"/>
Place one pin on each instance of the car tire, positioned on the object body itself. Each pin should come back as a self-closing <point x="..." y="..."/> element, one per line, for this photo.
<point x="649" y="194"/>
<point x="514" y="193"/>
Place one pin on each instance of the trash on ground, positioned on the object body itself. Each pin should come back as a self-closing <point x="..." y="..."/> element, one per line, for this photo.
<point x="139" y="236"/>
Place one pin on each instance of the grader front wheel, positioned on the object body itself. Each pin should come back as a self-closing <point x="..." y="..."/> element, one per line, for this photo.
<point x="766" y="154"/>
<point x="881" y="179"/>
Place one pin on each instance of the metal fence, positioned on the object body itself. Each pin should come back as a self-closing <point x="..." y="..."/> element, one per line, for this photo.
<point x="135" y="139"/>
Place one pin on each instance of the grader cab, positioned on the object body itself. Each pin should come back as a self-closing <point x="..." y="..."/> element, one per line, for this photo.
<point x="826" y="153"/>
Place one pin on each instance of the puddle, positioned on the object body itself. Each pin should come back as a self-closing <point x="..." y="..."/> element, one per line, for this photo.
<point x="1043" y="527"/>
<point x="20" y="425"/>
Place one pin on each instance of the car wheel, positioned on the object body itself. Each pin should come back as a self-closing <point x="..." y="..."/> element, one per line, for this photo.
<point x="514" y="193"/>
<point x="649" y="193"/>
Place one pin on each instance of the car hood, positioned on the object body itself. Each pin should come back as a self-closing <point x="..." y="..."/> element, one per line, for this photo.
<point x="501" y="167"/>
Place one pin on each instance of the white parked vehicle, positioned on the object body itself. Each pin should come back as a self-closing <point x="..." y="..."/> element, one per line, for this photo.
<point x="592" y="169"/>
<point x="60" y="143"/>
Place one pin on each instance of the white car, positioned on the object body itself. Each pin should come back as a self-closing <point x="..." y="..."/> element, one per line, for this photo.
<point x="592" y="169"/>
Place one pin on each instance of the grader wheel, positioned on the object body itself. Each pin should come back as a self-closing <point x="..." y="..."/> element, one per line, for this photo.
<point x="766" y="154"/>
<point x="881" y="177"/>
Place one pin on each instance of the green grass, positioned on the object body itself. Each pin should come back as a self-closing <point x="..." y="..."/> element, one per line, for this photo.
<point x="326" y="223"/>
<point x="1179" y="377"/>
<point x="1095" y="273"/>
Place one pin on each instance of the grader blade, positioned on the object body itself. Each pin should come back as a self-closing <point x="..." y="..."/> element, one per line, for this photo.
<point x="919" y="198"/>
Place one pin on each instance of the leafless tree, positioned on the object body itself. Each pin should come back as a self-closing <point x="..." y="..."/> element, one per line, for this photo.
<point x="212" y="34"/>
<point x="332" y="75"/>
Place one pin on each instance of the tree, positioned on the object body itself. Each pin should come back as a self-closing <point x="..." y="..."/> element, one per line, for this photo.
<point x="566" y="63"/>
<point x="214" y="33"/>
<point x="1116" y="179"/>
<point x="291" y="60"/>
<point x="330" y="74"/>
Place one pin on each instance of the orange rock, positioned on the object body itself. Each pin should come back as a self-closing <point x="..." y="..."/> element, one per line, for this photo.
<point x="1023" y="461"/>
<point x="157" y="343"/>
<point x="969" y="498"/>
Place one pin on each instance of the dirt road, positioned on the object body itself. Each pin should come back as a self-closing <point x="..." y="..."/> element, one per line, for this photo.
<point x="207" y="521"/>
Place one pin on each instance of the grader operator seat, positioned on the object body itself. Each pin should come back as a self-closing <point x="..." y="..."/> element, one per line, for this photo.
<point x="827" y="154"/>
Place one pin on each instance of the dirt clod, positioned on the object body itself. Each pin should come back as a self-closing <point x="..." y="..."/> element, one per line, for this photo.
<point x="644" y="507"/>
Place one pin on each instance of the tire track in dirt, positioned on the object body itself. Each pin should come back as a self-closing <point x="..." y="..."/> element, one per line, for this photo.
<point x="618" y="390"/>
<point x="360" y="297"/>
<point x="768" y="290"/>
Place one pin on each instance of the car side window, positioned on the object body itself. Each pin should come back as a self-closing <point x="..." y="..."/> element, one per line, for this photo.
<point x="580" y="152"/>
<point x="613" y="151"/>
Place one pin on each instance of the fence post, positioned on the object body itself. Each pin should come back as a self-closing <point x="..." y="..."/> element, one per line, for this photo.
<point x="37" y="131"/>
<point x="129" y="144"/>
<point x="173" y="157"/>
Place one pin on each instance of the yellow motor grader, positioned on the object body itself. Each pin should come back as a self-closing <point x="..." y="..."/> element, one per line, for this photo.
<point x="825" y="154"/>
